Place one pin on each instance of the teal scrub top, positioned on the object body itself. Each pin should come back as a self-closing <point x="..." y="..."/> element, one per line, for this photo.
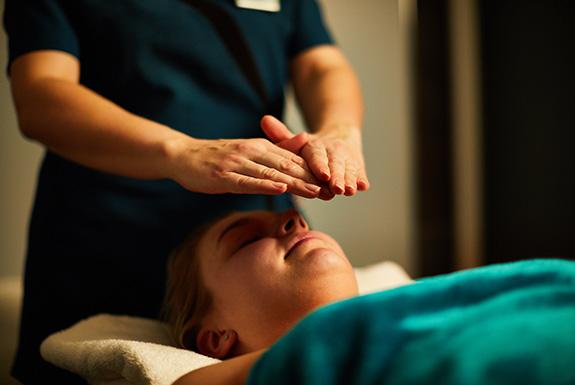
<point x="99" y="242"/>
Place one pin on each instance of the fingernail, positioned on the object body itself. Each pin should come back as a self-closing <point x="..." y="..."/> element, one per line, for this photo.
<point x="327" y="196"/>
<point x="339" y="189"/>
<point x="365" y="184"/>
<point x="313" y="188"/>
<point x="279" y="185"/>
<point x="349" y="190"/>
<point x="324" y="174"/>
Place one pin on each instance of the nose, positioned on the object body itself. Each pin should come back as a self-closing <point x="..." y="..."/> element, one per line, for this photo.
<point x="291" y="221"/>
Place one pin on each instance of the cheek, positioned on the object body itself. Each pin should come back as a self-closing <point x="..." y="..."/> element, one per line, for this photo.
<point x="251" y="279"/>
<point x="257" y="267"/>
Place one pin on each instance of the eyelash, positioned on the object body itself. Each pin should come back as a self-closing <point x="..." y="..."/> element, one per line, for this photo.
<point x="251" y="240"/>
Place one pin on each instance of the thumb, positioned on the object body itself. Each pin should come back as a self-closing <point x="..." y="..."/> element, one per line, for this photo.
<point x="296" y="143"/>
<point x="274" y="129"/>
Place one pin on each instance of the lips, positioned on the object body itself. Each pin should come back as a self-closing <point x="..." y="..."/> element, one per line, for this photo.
<point x="296" y="241"/>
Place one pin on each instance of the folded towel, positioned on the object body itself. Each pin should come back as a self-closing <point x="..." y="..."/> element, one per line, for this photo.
<point x="118" y="350"/>
<point x="108" y="349"/>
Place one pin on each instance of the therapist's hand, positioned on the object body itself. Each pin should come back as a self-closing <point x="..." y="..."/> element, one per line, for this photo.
<point x="335" y="157"/>
<point x="243" y="166"/>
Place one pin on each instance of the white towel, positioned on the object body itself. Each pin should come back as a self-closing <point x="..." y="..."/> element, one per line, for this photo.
<point x="119" y="350"/>
<point x="112" y="350"/>
<point x="381" y="276"/>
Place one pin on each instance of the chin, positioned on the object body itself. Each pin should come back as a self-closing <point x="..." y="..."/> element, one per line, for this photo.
<point x="322" y="260"/>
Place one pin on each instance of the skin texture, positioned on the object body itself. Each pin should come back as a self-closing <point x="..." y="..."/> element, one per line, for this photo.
<point x="54" y="109"/>
<point x="329" y="94"/>
<point x="262" y="282"/>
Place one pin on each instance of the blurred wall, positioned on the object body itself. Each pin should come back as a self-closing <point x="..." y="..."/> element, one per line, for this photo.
<point x="18" y="167"/>
<point x="370" y="226"/>
<point x="377" y="224"/>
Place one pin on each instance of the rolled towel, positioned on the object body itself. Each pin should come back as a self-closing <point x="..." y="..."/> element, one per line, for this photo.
<point x="109" y="349"/>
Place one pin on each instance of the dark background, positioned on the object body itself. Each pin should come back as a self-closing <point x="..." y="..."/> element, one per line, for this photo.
<point x="527" y="81"/>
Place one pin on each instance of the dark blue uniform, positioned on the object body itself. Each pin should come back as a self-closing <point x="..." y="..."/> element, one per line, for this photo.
<point x="99" y="242"/>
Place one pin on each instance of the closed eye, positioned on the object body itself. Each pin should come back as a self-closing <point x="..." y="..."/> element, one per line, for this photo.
<point x="248" y="242"/>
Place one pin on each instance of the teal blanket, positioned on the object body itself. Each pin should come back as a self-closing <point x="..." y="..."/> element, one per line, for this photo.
<point x="501" y="324"/>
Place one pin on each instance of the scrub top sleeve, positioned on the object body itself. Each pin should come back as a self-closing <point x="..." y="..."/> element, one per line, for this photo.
<point x="33" y="25"/>
<point x="309" y="27"/>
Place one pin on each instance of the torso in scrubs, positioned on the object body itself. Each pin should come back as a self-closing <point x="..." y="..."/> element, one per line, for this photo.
<point x="98" y="243"/>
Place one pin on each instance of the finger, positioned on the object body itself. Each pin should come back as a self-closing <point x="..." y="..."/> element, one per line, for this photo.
<point x="295" y="144"/>
<point x="317" y="160"/>
<point x="243" y="184"/>
<point x="294" y="185"/>
<point x="274" y="129"/>
<point x="337" y="169"/>
<point x="287" y="163"/>
<point x="350" y="178"/>
<point x="326" y="194"/>
<point x="362" y="181"/>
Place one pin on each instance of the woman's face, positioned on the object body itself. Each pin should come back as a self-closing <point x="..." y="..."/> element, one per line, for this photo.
<point x="266" y="271"/>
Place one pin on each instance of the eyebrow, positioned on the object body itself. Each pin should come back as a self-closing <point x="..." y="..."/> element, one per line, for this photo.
<point x="234" y="224"/>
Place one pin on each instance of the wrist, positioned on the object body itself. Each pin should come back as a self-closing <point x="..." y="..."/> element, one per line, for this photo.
<point x="173" y="150"/>
<point x="339" y="129"/>
<point x="349" y="132"/>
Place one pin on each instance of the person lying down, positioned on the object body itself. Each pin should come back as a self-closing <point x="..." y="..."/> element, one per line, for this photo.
<point x="241" y="282"/>
<point x="279" y="304"/>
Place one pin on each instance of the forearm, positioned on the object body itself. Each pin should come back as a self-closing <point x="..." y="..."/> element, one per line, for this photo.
<point x="234" y="371"/>
<point x="330" y="98"/>
<point x="329" y="95"/>
<point x="86" y="128"/>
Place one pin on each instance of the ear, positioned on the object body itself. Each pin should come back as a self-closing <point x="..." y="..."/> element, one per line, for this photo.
<point x="216" y="343"/>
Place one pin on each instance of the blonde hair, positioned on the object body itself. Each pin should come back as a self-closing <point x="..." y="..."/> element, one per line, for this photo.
<point x="187" y="299"/>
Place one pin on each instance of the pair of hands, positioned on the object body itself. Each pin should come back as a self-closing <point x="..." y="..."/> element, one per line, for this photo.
<point x="309" y="165"/>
